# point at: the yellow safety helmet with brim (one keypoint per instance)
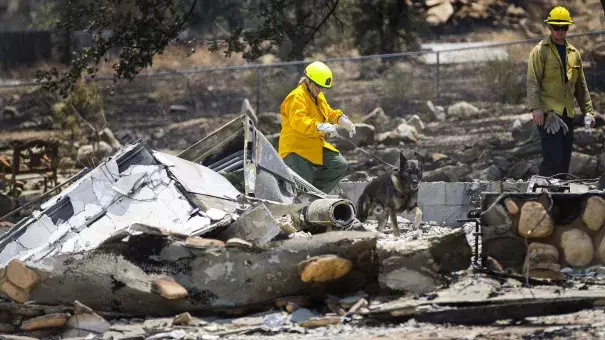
(320, 74)
(559, 16)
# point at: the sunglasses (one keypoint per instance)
(559, 28)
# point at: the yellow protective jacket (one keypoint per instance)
(300, 114)
(546, 87)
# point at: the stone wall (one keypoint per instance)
(539, 233)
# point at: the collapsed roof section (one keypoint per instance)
(232, 175)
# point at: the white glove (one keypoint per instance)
(327, 128)
(554, 123)
(551, 125)
(562, 124)
(347, 124)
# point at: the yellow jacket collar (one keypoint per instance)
(548, 41)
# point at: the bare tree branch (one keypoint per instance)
(324, 20)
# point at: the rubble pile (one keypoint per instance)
(223, 228)
(223, 240)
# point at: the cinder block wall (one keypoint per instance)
(444, 202)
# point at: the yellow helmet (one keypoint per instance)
(559, 16)
(319, 73)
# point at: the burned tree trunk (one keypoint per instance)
(147, 275)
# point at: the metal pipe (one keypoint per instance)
(228, 164)
(330, 212)
(235, 166)
(224, 160)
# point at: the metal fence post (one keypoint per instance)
(438, 89)
(257, 90)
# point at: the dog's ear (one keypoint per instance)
(402, 160)
(416, 155)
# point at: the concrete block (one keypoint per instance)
(444, 214)
(514, 186)
(432, 193)
(457, 194)
(443, 202)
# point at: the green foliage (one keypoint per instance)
(43, 15)
(140, 29)
(293, 23)
(83, 105)
(86, 102)
(143, 28)
(224, 15)
(65, 122)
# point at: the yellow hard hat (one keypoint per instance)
(320, 74)
(559, 16)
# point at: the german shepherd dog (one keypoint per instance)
(391, 194)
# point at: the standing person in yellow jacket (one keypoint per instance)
(555, 77)
(306, 120)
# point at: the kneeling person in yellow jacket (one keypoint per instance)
(306, 119)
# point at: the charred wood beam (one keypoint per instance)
(122, 277)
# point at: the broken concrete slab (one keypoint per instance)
(418, 266)
(182, 319)
(89, 322)
(256, 225)
(118, 277)
(483, 300)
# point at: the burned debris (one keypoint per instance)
(225, 229)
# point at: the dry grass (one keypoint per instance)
(174, 57)
(177, 57)
(503, 78)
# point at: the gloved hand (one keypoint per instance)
(554, 123)
(550, 122)
(345, 122)
(562, 124)
(327, 128)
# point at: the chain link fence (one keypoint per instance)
(401, 83)
(486, 75)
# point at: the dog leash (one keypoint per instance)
(366, 152)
